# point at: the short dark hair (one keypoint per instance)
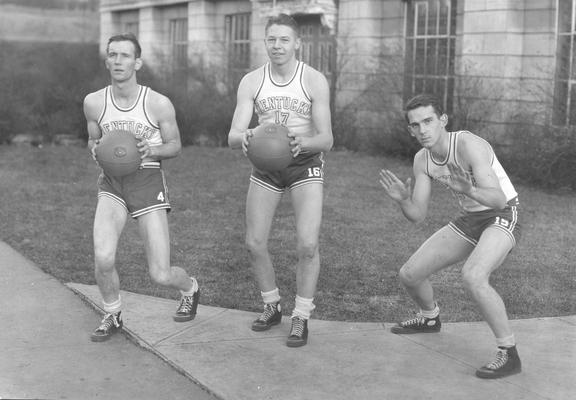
(424, 100)
(283, 19)
(130, 37)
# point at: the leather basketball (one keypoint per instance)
(269, 148)
(117, 153)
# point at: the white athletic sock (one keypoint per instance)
(432, 313)
(114, 307)
(507, 341)
(193, 290)
(303, 307)
(271, 297)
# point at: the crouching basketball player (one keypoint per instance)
(483, 234)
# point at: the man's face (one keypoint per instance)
(121, 60)
(281, 44)
(425, 125)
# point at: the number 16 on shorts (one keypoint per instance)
(315, 172)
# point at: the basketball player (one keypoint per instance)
(288, 92)
(142, 195)
(482, 235)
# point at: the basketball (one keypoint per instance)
(117, 153)
(269, 148)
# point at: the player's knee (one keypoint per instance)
(473, 280)
(307, 250)
(407, 277)
(104, 260)
(255, 247)
(161, 277)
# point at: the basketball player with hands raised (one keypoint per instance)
(150, 116)
(288, 92)
(482, 235)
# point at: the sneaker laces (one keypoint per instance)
(500, 361)
(186, 303)
(297, 327)
(418, 321)
(269, 311)
(107, 323)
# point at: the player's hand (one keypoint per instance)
(394, 187)
(144, 148)
(297, 143)
(246, 140)
(460, 180)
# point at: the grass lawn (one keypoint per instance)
(48, 199)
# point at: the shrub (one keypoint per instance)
(204, 105)
(44, 86)
(544, 156)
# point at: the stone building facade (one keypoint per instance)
(494, 63)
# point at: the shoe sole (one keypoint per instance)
(402, 331)
(102, 338)
(483, 375)
(186, 318)
(99, 339)
(262, 328)
(296, 343)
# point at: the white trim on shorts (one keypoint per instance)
(508, 230)
(306, 182)
(464, 236)
(275, 189)
(156, 207)
(265, 185)
(117, 199)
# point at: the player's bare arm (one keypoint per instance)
(319, 91)
(92, 107)
(239, 134)
(477, 156)
(162, 109)
(412, 202)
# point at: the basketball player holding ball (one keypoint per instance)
(285, 91)
(150, 116)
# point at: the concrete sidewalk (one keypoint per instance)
(46, 352)
(341, 361)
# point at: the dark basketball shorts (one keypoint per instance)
(307, 168)
(139, 193)
(470, 225)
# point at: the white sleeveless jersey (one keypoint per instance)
(438, 170)
(134, 119)
(287, 103)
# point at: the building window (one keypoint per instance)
(131, 27)
(564, 113)
(430, 44)
(179, 43)
(127, 21)
(238, 45)
(318, 48)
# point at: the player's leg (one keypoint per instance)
(490, 252)
(307, 201)
(153, 227)
(261, 204)
(109, 222)
(443, 249)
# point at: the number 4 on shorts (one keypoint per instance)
(160, 196)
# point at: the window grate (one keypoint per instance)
(430, 49)
(564, 110)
